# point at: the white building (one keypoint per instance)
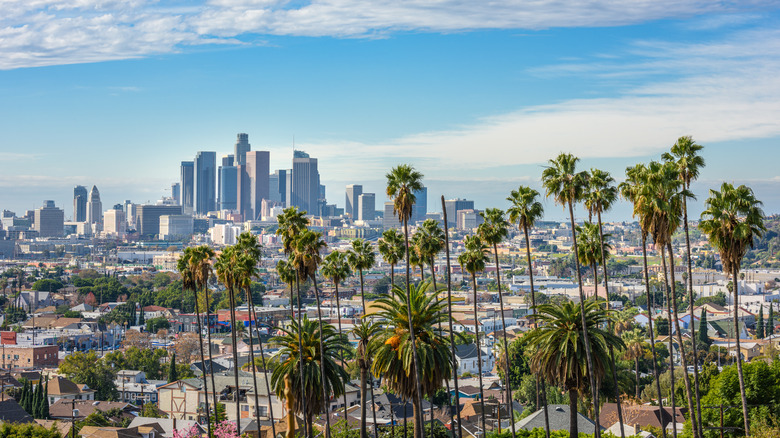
(225, 234)
(114, 222)
(176, 226)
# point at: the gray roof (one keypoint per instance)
(466, 351)
(11, 412)
(166, 424)
(559, 420)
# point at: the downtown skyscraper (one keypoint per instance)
(80, 204)
(305, 183)
(253, 183)
(205, 195)
(187, 186)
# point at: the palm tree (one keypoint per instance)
(493, 231)
(360, 258)
(633, 189)
(364, 332)
(525, 211)
(189, 284)
(635, 342)
(732, 220)
(200, 265)
(227, 274)
(449, 315)
(567, 186)
(320, 351)
(307, 259)
(402, 182)
(391, 247)
(395, 351)
(473, 260)
(685, 155)
(589, 250)
(336, 268)
(558, 345)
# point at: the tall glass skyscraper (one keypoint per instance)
(187, 186)
(242, 147)
(80, 204)
(305, 183)
(228, 187)
(205, 182)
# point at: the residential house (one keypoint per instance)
(640, 416)
(467, 356)
(11, 412)
(166, 425)
(559, 420)
(63, 409)
(61, 388)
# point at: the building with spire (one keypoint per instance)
(94, 207)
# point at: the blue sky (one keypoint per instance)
(476, 95)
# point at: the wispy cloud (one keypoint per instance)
(50, 32)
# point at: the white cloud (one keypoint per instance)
(50, 32)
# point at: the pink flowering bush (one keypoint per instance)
(192, 432)
(226, 429)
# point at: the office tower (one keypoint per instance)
(49, 220)
(205, 195)
(351, 201)
(455, 205)
(420, 207)
(366, 206)
(390, 219)
(94, 207)
(176, 193)
(274, 186)
(187, 186)
(130, 213)
(468, 219)
(228, 187)
(79, 204)
(176, 226)
(242, 147)
(305, 183)
(227, 161)
(253, 183)
(148, 218)
(287, 188)
(114, 222)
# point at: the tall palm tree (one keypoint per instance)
(562, 181)
(449, 315)
(227, 274)
(635, 342)
(336, 268)
(395, 350)
(525, 211)
(319, 347)
(685, 155)
(364, 333)
(189, 284)
(493, 231)
(589, 250)
(473, 260)
(200, 264)
(307, 258)
(633, 190)
(558, 344)
(732, 220)
(666, 195)
(391, 247)
(402, 182)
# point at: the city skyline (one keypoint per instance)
(476, 98)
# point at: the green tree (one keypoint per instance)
(391, 247)
(364, 332)
(770, 321)
(732, 220)
(760, 332)
(589, 249)
(558, 345)
(701, 335)
(28, 430)
(156, 324)
(518, 361)
(635, 342)
(172, 374)
(47, 285)
(88, 369)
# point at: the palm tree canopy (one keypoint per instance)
(562, 181)
(364, 332)
(589, 244)
(732, 219)
(559, 343)
(289, 355)
(200, 264)
(226, 267)
(249, 244)
(685, 156)
(402, 182)
(335, 267)
(306, 255)
(495, 228)
(526, 208)
(429, 240)
(393, 357)
(391, 246)
(633, 190)
(291, 222)
(474, 257)
(286, 272)
(663, 195)
(635, 343)
(183, 266)
(361, 256)
(601, 193)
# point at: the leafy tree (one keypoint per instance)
(156, 324)
(29, 430)
(770, 321)
(88, 369)
(760, 324)
(702, 336)
(172, 373)
(47, 285)
(518, 360)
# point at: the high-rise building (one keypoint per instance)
(453, 206)
(176, 193)
(351, 200)
(228, 187)
(277, 185)
(187, 186)
(366, 206)
(176, 226)
(114, 222)
(305, 183)
(420, 207)
(390, 219)
(242, 147)
(227, 161)
(148, 218)
(49, 220)
(205, 182)
(80, 204)
(468, 219)
(94, 207)
(253, 183)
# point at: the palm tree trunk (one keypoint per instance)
(211, 360)
(506, 344)
(690, 313)
(449, 311)
(370, 380)
(650, 322)
(686, 378)
(341, 355)
(305, 411)
(593, 388)
(595, 280)
(265, 377)
(417, 412)
(533, 305)
(252, 355)
(419, 430)
(446, 381)
(202, 365)
(636, 371)
(234, 338)
(611, 350)
(363, 384)
(479, 355)
(739, 352)
(323, 378)
(573, 429)
(671, 345)
(392, 280)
